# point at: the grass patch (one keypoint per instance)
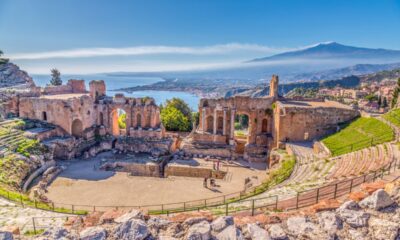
(26, 201)
(359, 134)
(31, 233)
(393, 116)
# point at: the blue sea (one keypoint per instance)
(115, 82)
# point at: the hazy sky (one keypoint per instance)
(97, 36)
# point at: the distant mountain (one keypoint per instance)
(359, 69)
(333, 50)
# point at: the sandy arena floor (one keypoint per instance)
(82, 184)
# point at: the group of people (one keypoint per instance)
(212, 182)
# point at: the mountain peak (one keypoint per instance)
(334, 50)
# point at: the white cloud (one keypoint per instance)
(148, 50)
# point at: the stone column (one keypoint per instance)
(203, 120)
(224, 123)
(215, 122)
(232, 133)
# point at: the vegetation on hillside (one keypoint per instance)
(55, 77)
(303, 92)
(359, 134)
(3, 60)
(176, 115)
(393, 116)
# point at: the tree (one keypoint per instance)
(122, 121)
(384, 103)
(3, 60)
(174, 120)
(55, 77)
(184, 122)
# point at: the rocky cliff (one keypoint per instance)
(11, 75)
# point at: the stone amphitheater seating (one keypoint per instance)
(312, 171)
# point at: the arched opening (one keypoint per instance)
(101, 118)
(139, 120)
(210, 124)
(148, 120)
(241, 132)
(220, 125)
(76, 128)
(264, 126)
(118, 117)
(44, 116)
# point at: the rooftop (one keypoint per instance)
(64, 96)
(313, 104)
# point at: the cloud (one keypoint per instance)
(148, 50)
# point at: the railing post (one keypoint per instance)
(162, 208)
(184, 206)
(335, 193)
(205, 202)
(351, 185)
(276, 202)
(297, 201)
(224, 199)
(72, 208)
(35, 203)
(94, 208)
(226, 209)
(365, 178)
(34, 225)
(52, 204)
(252, 207)
(317, 195)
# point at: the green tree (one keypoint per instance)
(2, 60)
(174, 120)
(379, 100)
(55, 77)
(122, 121)
(184, 109)
(384, 103)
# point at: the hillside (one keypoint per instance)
(359, 69)
(11, 75)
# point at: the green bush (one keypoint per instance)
(174, 120)
(176, 115)
(122, 121)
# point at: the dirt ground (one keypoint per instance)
(81, 183)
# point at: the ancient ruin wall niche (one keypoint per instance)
(77, 86)
(97, 88)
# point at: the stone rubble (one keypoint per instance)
(375, 217)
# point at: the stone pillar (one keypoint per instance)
(224, 123)
(203, 119)
(215, 122)
(232, 133)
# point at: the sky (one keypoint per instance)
(87, 36)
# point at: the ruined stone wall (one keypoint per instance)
(301, 123)
(72, 86)
(187, 171)
(61, 112)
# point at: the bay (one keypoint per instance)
(115, 82)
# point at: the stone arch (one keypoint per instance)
(264, 125)
(210, 124)
(138, 120)
(220, 125)
(101, 118)
(115, 126)
(76, 128)
(148, 120)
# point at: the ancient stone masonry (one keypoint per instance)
(272, 120)
(78, 112)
